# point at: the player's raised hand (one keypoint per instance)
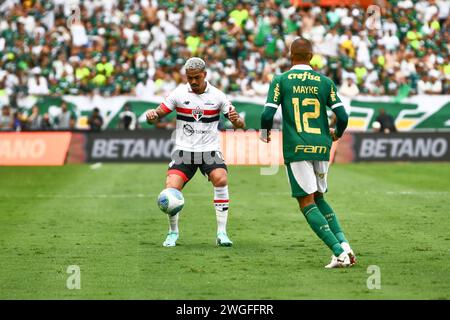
(264, 136)
(151, 115)
(233, 116)
(236, 120)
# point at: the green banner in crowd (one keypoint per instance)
(418, 112)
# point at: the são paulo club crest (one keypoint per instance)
(197, 113)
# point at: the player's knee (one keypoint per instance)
(174, 181)
(318, 196)
(218, 177)
(306, 201)
(220, 181)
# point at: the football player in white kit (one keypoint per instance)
(198, 105)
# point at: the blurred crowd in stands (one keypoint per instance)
(138, 47)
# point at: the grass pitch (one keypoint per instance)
(106, 222)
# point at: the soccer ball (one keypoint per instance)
(170, 201)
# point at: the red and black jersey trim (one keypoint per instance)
(206, 112)
(202, 119)
(165, 108)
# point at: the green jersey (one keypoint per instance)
(304, 96)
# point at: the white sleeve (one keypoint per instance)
(170, 102)
(225, 104)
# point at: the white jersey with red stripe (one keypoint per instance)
(197, 117)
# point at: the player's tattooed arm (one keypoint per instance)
(155, 114)
(236, 120)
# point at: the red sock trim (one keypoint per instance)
(221, 201)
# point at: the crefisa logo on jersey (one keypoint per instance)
(197, 113)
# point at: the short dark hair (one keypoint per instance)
(301, 49)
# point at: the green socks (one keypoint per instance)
(333, 222)
(320, 226)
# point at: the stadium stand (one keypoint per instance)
(137, 48)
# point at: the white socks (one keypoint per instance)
(221, 205)
(346, 247)
(173, 223)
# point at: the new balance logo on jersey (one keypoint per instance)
(310, 149)
(197, 113)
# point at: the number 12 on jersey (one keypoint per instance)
(304, 119)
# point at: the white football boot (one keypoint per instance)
(223, 240)
(350, 253)
(171, 239)
(342, 261)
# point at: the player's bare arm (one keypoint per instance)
(155, 114)
(267, 123)
(341, 123)
(236, 120)
(270, 108)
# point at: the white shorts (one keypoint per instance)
(307, 177)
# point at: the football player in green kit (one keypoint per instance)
(304, 96)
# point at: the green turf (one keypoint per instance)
(106, 221)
